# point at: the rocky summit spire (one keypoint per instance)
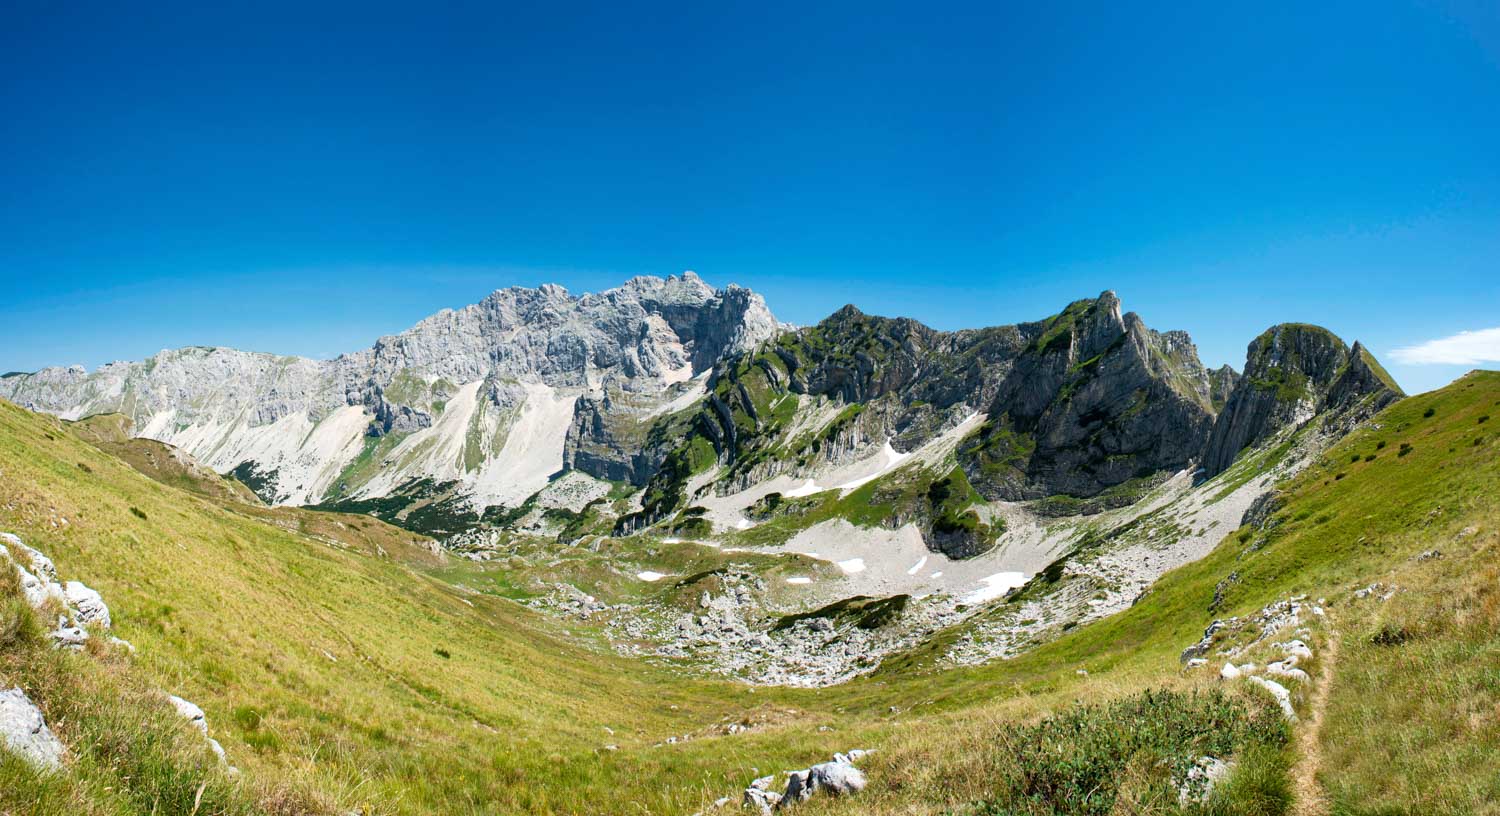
(1294, 372)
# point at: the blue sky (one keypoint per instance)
(302, 180)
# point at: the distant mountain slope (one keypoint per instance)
(1089, 404)
(482, 396)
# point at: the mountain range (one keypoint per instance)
(646, 384)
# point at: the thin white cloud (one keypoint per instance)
(1464, 348)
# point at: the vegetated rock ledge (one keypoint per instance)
(82, 614)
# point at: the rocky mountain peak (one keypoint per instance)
(441, 397)
(1293, 372)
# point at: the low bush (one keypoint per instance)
(1093, 758)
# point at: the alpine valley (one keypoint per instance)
(646, 550)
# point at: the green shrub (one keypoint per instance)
(1076, 762)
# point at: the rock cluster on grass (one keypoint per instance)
(78, 607)
(837, 778)
(22, 728)
(1270, 621)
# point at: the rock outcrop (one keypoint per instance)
(24, 732)
(1294, 372)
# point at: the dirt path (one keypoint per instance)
(1309, 799)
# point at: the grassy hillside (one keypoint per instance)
(359, 679)
(337, 679)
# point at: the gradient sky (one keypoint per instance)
(302, 180)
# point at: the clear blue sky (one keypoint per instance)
(302, 180)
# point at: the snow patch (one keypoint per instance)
(806, 489)
(917, 567)
(799, 579)
(995, 586)
(648, 575)
(852, 565)
(893, 459)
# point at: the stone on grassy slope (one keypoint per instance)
(88, 605)
(1283, 697)
(1206, 773)
(38, 575)
(190, 712)
(23, 731)
(68, 635)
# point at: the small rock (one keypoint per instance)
(1197, 662)
(1206, 772)
(1297, 649)
(1229, 672)
(67, 636)
(1283, 697)
(89, 605)
(193, 714)
(764, 801)
(25, 732)
(797, 788)
(837, 778)
(1286, 669)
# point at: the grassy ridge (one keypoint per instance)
(322, 664)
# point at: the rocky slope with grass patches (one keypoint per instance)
(1294, 372)
(1087, 410)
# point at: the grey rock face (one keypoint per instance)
(1294, 372)
(282, 415)
(23, 731)
(1099, 399)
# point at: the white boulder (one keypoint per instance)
(68, 636)
(87, 604)
(192, 713)
(23, 731)
(1296, 649)
(836, 778)
(1285, 668)
(1283, 697)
